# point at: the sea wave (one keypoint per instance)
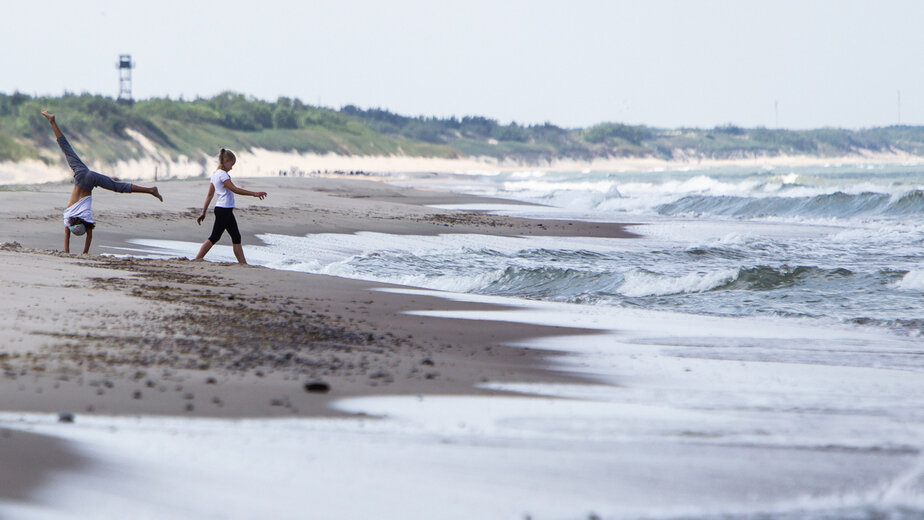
(763, 278)
(553, 283)
(641, 282)
(754, 195)
(831, 205)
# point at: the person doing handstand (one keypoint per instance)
(78, 216)
(222, 186)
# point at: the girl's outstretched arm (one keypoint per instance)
(240, 191)
(205, 207)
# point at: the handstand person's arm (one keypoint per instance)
(67, 240)
(86, 245)
(205, 207)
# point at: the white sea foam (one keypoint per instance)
(544, 186)
(737, 238)
(912, 281)
(639, 282)
(527, 175)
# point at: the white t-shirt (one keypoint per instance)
(225, 196)
(83, 209)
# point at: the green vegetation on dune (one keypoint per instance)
(12, 150)
(102, 127)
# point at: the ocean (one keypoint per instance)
(840, 244)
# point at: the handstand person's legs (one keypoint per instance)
(54, 126)
(87, 179)
(150, 191)
(72, 159)
(107, 183)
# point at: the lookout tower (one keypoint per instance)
(125, 67)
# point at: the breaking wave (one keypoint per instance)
(831, 205)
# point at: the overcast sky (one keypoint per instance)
(570, 62)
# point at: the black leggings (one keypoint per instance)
(224, 219)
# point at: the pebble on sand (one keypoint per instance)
(317, 387)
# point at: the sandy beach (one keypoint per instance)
(104, 335)
(133, 381)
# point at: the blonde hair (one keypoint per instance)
(226, 155)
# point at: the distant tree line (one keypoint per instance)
(288, 123)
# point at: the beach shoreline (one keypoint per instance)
(105, 335)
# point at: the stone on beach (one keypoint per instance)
(318, 387)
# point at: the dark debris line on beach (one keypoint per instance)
(197, 324)
(221, 331)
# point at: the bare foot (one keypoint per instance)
(49, 116)
(156, 193)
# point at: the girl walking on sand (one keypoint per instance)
(78, 216)
(224, 207)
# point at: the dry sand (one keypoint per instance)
(103, 335)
